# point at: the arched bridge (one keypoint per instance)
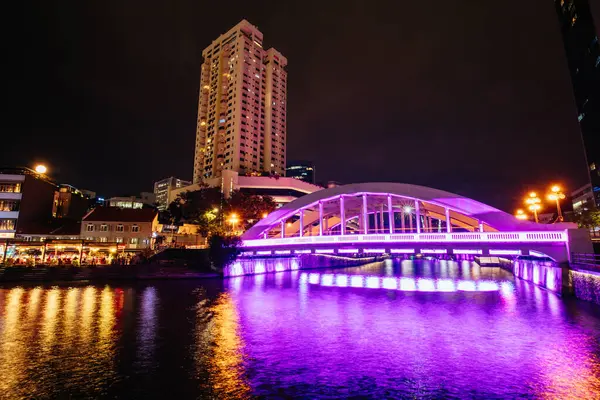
(401, 218)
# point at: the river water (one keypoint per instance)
(411, 329)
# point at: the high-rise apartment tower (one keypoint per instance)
(583, 56)
(242, 106)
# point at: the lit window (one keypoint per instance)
(119, 240)
(103, 228)
(134, 241)
(120, 228)
(135, 228)
(592, 166)
(90, 227)
(103, 239)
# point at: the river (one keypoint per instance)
(403, 329)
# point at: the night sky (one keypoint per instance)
(472, 97)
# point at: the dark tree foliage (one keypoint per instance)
(209, 210)
(223, 250)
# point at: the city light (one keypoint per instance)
(407, 209)
(41, 169)
(557, 195)
(233, 220)
(521, 214)
(533, 202)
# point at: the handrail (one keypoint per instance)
(463, 237)
(585, 259)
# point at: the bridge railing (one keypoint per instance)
(462, 237)
(586, 261)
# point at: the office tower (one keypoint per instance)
(163, 188)
(583, 56)
(303, 170)
(242, 106)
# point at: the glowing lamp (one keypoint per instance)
(41, 169)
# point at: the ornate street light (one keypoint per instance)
(557, 195)
(233, 219)
(521, 214)
(533, 203)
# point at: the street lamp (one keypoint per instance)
(521, 214)
(557, 195)
(233, 219)
(533, 202)
(41, 169)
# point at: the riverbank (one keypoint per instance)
(102, 273)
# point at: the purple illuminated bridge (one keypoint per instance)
(396, 218)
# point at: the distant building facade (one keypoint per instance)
(242, 106)
(282, 189)
(583, 56)
(145, 199)
(163, 189)
(70, 203)
(128, 227)
(303, 170)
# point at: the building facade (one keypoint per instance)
(281, 189)
(303, 170)
(163, 189)
(131, 228)
(583, 56)
(242, 106)
(26, 201)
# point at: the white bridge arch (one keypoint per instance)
(384, 215)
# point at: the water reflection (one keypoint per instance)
(407, 329)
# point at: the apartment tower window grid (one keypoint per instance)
(242, 106)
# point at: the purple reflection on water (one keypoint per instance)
(431, 334)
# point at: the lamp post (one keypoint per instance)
(521, 214)
(533, 202)
(557, 195)
(233, 220)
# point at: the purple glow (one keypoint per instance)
(282, 251)
(294, 265)
(279, 267)
(402, 251)
(434, 251)
(372, 282)
(458, 237)
(247, 253)
(313, 278)
(505, 252)
(446, 285)
(389, 283)
(327, 280)
(461, 251)
(487, 286)
(408, 284)
(425, 285)
(302, 251)
(356, 281)
(378, 251)
(341, 280)
(324, 251)
(466, 286)
(348, 251)
(263, 252)
(259, 268)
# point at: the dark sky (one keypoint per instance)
(468, 96)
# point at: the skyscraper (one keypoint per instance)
(583, 56)
(242, 106)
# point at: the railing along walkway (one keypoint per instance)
(586, 261)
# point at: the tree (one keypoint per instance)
(209, 210)
(249, 207)
(588, 219)
(223, 250)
